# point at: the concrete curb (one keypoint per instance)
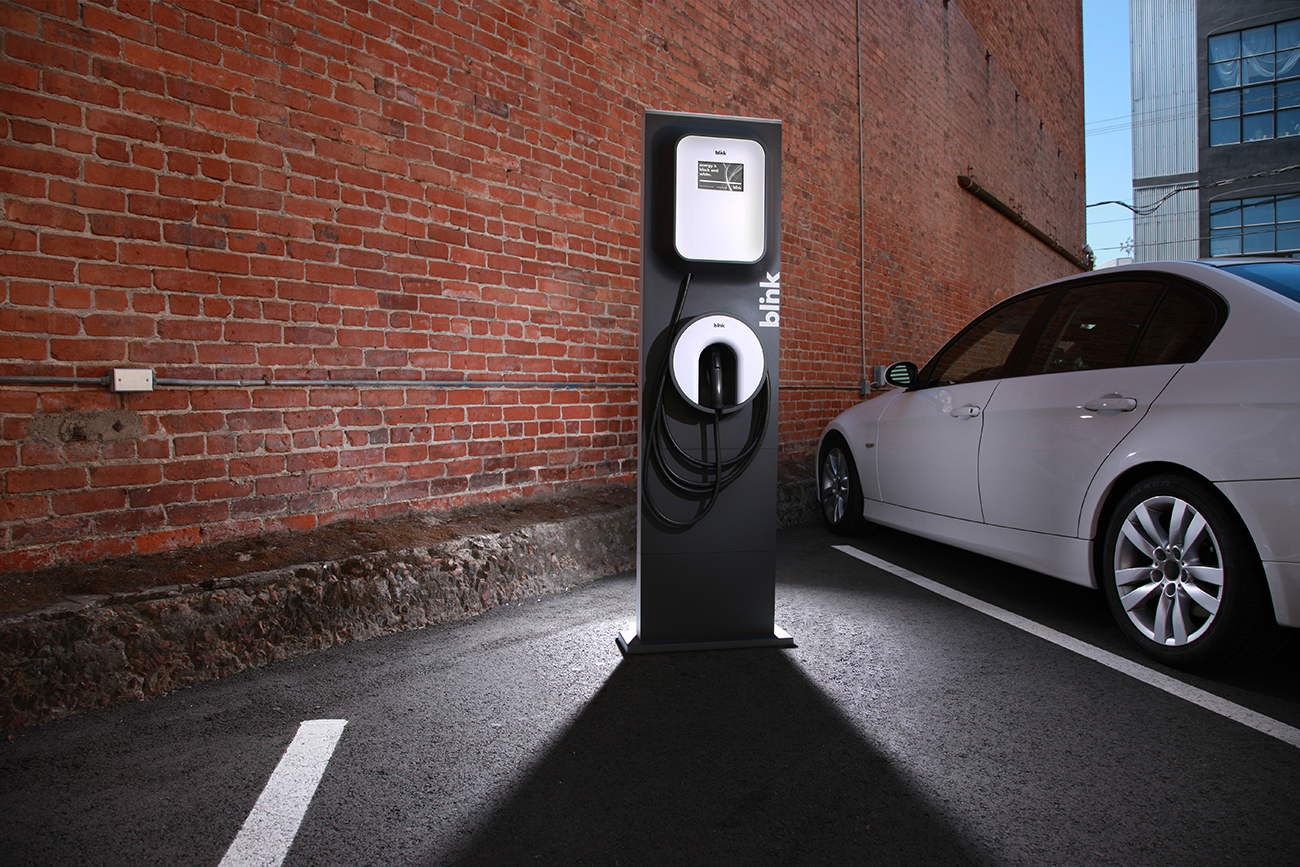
(95, 651)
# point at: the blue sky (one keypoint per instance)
(1107, 110)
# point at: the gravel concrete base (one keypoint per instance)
(94, 651)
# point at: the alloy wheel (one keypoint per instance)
(1168, 571)
(835, 484)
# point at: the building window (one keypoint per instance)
(1255, 84)
(1251, 227)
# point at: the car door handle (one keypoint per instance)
(1112, 403)
(965, 412)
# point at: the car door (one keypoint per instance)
(1103, 356)
(927, 449)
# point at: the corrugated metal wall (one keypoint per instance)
(1171, 232)
(1163, 34)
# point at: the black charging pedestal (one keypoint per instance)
(710, 342)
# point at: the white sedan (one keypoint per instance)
(1135, 429)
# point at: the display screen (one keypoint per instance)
(722, 176)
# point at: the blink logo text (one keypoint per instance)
(769, 303)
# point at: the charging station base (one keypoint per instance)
(631, 644)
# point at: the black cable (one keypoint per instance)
(737, 463)
(659, 437)
(1148, 210)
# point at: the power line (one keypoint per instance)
(1106, 126)
(1148, 210)
(1110, 222)
(1145, 210)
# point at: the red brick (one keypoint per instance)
(124, 125)
(115, 275)
(130, 77)
(80, 90)
(45, 54)
(103, 20)
(83, 197)
(16, 509)
(191, 140)
(26, 104)
(124, 476)
(198, 514)
(295, 194)
(41, 214)
(21, 240)
(88, 502)
(194, 470)
(117, 226)
(166, 540)
(36, 161)
(100, 174)
(86, 249)
(119, 326)
(194, 236)
(38, 322)
(188, 91)
(22, 481)
(31, 133)
(113, 150)
(210, 260)
(51, 531)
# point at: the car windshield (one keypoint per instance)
(1281, 277)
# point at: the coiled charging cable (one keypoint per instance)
(715, 474)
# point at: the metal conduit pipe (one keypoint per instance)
(170, 382)
(971, 186)
(383, 383)
(814, 386)
(54, 380)
(310, 383)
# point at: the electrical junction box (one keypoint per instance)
(124, 379)
(720, 212)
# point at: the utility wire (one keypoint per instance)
(1145, 210)
(1148, 210)
(1106, 126)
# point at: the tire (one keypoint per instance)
(839, 489)
(1182, 576)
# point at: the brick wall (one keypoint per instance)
(396, 194)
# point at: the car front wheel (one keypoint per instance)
(1182, 576)
(839, 489)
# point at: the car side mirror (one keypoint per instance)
(901, 374)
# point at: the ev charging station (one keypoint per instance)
(709, 384)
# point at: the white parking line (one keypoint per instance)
(268, 832)
(1207, 700)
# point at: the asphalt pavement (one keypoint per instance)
(905, 728)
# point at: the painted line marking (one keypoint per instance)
(1173, 686)
(268, 832)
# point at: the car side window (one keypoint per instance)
(981, 351)
(1094, 327)
(1183, 325)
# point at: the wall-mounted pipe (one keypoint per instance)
(970, 185)
(104, 381)
(814, 386)
(170, 382)
(383, 383)
(54, 380)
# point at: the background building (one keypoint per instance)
(1216, 128)
(382, 255)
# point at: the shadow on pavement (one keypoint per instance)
(731, 757)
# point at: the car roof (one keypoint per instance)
(1253, 329)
